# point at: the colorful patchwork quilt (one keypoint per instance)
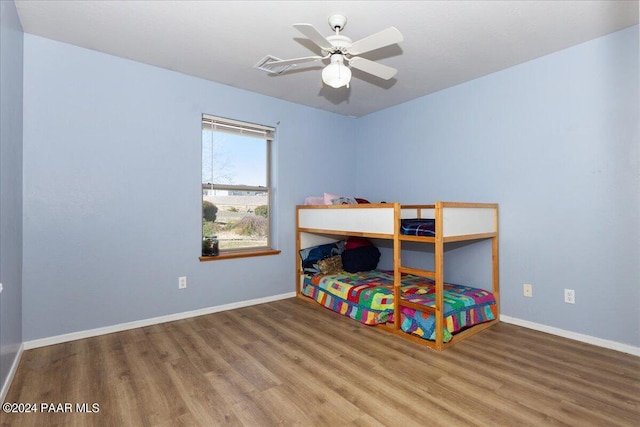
(368, 298)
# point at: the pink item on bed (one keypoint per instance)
(328, 198)
(314, 200)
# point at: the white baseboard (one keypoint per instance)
(613, 345)
(12, 373)
(43, 342)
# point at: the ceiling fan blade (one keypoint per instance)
(376, 41)
(383, 71)
(294, 61)
(314, 35)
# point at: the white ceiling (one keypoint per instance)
(445, 42)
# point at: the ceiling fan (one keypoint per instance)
(340, 49)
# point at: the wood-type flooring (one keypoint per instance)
(292, 362)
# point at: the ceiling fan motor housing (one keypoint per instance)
(340, 44)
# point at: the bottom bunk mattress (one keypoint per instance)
(368, 298)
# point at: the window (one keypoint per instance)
(236, 189)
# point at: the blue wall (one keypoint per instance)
(11, 54)
(112, 199)
(555, 142)
(112, 172)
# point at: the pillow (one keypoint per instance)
(334, 199)
(314, 200)
(328, 197)
(331, 265)
(311, 256)
(364, 258)
(357, 242)
(361, 201)
(344, 201)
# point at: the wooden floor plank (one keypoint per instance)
(591, 391)
(201, 399)
(296, 363)
(152, 384)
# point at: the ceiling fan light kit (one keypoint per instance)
(339, 49)
(336, 74)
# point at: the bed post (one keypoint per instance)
(298, 261)
(397, 291)
(439, 273)
(496, 266)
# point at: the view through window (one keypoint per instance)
(236, 192)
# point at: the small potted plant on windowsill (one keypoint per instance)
(210, 246)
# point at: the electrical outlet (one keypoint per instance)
(527, 290)
(182, 282)
(569, 296)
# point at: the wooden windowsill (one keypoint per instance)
(244, 254)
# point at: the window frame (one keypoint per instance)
(267, 133)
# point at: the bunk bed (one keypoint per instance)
(413, 303)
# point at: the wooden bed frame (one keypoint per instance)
(454, 222)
